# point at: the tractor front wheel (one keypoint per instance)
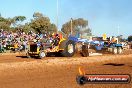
(42, 54)
(28, 55)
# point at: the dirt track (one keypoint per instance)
(58, 72)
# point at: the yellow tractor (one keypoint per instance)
(65, 47)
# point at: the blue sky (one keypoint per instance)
(104, 16)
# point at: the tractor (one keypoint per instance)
(102, 46)
(65, 47)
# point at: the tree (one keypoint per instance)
(26, 27)
(39, 23)
(52, 29)
(5, 23)
(78, 26)
(88, 31)
(130, 38)
(42, 24)
(17, 20)
(37, 15)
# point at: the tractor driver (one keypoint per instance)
(56, 40)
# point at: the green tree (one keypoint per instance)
(26, 27)
(130, 38)
(17, 20)
(42, 24)
(10, 24)
(52, 29)
(37, 15)
(88, 31)
(5, 23)
(78, 26)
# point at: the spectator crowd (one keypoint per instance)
(20, 39)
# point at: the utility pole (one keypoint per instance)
(71, 26)
(57, 7)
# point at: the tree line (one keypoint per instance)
(42, 24)
(39, 23)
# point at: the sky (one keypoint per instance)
(113, 17)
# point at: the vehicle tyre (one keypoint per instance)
(69, 49)
(119, 50)
(115, 50)
(28, 55)
(42, 54)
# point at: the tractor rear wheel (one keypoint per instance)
(69, 49)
